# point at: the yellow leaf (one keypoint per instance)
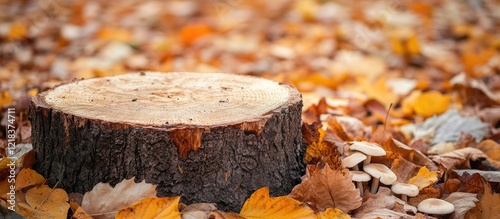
(431, 103)
(261, 206)
(333, 213)
(150, 208)
(44, 202)
(408, 103)
(424, 178)
(27, 178)
(306, 8)
(17, 31)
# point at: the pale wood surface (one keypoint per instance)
(170, 98)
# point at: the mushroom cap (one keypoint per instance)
(435, 206)
(360, 176)
(405, 188)
(353, 159)
(382, 172)
(368, 148)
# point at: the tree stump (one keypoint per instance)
(209, 137)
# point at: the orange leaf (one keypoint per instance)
(327, 188)
(115, 34)
(151, 208)
(17, 31)
(27, 178)
(191, 33)
(5, 98)
(261, 206)
(424, 178)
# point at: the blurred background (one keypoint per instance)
(362, 49)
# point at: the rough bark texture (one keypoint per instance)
(231, 162)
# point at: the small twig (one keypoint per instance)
(387, 115)
(45, 199)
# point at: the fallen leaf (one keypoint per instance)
(318, 149)
(190, 33)
(425, 193)
(463, 202)
(333, 213)
(224, 215)
(198, 211)
(424, 178)
(448, 127)
(17, 31)
(96, 202)
(383, 204)
(453, 129)
(490, 148)
(458, 157)
(115, 34)
(488, 207)
(407, 152)
(27, 178)
(261, 206)
(431, 103)
(44, 202)
(81, 214)
(152, 208)
(490, 176)
(327, 188)
(468, 183)
(404, 169)
(353, 127)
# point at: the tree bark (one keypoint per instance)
(208, 137)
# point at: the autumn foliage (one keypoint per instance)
(421, 80)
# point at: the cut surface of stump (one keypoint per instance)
(209, 137)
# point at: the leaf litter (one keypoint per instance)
(421, 79)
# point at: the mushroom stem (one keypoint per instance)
(374, 188)
(355, 167)
(360, 188)
(404, 197)
(367, 160)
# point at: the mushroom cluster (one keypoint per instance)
(363, 152)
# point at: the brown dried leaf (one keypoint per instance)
(384, 204)
(458, 157)
(488, 207)
(327, 188)
(463, 202)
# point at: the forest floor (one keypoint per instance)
(419, 79)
